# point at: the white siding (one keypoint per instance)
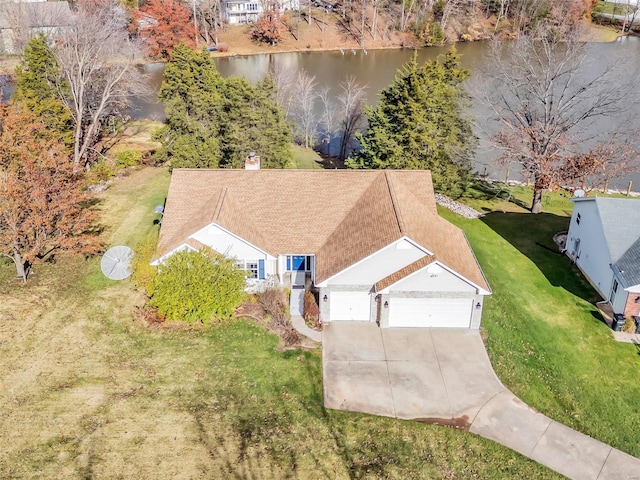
(223, 242)
(592, 255)
(430, 312)
(423, 281)
(384, 262)
(350, 306)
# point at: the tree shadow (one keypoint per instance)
(533, 235)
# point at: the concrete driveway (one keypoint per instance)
(444, 376)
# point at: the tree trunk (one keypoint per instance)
(20, 271)
(536, 205)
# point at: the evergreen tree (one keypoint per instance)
(37, 88)
(192, 100)
(215, 122)
(420, 123)
(253, 122)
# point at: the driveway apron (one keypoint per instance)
(444, 376)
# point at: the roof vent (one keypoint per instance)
(252, 162)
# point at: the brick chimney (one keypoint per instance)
(252, 162)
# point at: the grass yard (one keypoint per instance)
(305, 158)
(89, 392)
(614, 8)
(544, 335)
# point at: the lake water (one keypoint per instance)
(377, 68)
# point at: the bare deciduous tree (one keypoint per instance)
(546, 101)
(97, 62)
(328, 117)
(351, 104)
(303, 106)
(284, 78)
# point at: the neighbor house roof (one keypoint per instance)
(341, 216)
(620, 219)
(629, 265)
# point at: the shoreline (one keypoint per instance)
(238, 36)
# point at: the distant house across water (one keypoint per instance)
(21, 21)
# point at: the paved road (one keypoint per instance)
(444, 376)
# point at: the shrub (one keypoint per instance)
(129, 158)
(629, 325)
(311, 310)
(102, 170)
(276, 306)
(198, 286)
(143, 273)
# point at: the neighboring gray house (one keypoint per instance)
(21, 21)
(604, 242)
(371, 243)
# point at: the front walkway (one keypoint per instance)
(444, 376)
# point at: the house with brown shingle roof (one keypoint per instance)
(371, 243)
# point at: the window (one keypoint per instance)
(578, 219)
(252, 7)
(252, 269)
(615, 286)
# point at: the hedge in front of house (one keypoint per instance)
(198, 287)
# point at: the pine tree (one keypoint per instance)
(191, 96)
(37, 83)
(215, 122)
(420, 123)
(254, 123)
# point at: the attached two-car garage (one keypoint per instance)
(404, 311)
(430, 312)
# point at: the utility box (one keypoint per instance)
(618, 322)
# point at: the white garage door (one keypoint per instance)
(430, 312)
(350, 306)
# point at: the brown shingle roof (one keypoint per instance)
(340, 215)
(404, 272)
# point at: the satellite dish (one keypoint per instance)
(579, 193)
(116, 262)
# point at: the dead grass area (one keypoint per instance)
(325, 32)
(601, 33)
(137, 135)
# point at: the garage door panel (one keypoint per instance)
(350, 306)
(430, 312)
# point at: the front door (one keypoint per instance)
(298, 263)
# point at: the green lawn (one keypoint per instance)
(89, 392)
(612, 7)
(305, 158)
(544, 335)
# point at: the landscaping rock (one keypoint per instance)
(457, 207)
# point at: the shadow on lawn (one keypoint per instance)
(533, 235)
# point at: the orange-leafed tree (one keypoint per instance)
(43, 202)
(268, 27)
(163, 24)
